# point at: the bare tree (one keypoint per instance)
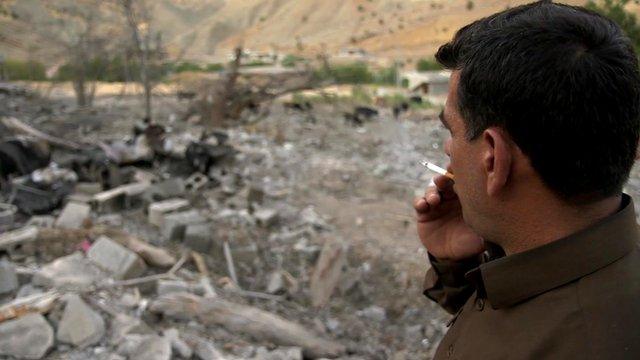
(147, 45)
(77, 31)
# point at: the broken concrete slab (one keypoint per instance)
(199, 237)
(8, 278)
(175, 224)
(27, 337)
(158, 210)
(116, 259)
(80, 325)
(73, 216)
(71, 271)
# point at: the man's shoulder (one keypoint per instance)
(609, 306)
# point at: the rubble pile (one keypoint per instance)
(162, 243)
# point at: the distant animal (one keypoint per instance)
(400, 108)
(185, 95)
(360, 115)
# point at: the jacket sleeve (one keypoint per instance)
(446, 284)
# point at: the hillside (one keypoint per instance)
(207, 30)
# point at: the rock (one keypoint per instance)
(72, 271)
(174, 225)
(80, 325)
(158, 210)
(28, 337)
(73, 216)
(198, 237)
(266, 217)
(115, 258)
(204, 349)
(8, 278)
(375, 313)
(283, 353)
(177, 344)
(152, 347)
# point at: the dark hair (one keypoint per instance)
(563, 81)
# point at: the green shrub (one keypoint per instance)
(428, 65)
(386, 76)
(186, 66)
(24, 70)
(290, 61)
(615, 10)
(214, 67)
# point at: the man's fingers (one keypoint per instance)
(421, 205)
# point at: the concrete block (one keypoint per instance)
(196, 182)
(198, 237)
(27, 337)
(158, 210)
(116, 259)
(80, 325)
(174, 225)
(167, 189)
(120, 197)
(73, 216)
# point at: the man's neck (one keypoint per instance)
(534, 228)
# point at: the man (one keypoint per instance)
(534, 247)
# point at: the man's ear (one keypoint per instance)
(496, 159)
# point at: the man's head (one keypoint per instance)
(544, 94)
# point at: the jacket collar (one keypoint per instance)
(511, 279)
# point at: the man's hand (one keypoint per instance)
(440, 225)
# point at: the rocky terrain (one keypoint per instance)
(291, 237)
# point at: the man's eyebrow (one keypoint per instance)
(443, 120)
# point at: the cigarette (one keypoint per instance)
(437, 169)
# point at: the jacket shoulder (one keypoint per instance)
(610, 306)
